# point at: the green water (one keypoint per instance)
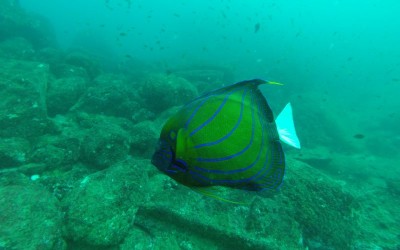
(86, 86)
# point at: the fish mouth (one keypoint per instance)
(162, 157)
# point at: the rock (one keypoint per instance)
(112, 95)
(56, 152)
(83, 60)
(324, 123)
(323, 208)
(50, 56)
(100, 211)
(69, 64)
(160, 92)
(97, 46)
(28, 170)
(310, 209)
(59, 182)
(10, 177)
(15, 22)
(144, 137)
(17, 48)
(204, 223)
(13, 152)
(63, 94)
(23, 111)
(105, 144)
(318, 157)
(59, 150)
(138, 239)
(200, 222)
(207, 79)
(63, 70)
(30, 219)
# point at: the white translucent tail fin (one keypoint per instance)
(286, 130)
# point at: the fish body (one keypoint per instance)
(227, 137)
(256, 27)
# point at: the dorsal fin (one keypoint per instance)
(259, 98)
(253, 84)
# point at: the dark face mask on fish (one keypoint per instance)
(164, 159)
(163, 156)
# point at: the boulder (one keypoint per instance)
(23, 111)
(101, 209)
(207, 79)
(310, 210)
(104, 143)
(83, 60)
(17, 48)
(13, 152)
(64, 70)
(63, 93)
(56, 152)
(30, 219)
(113, 95)
(15, 22)
(322, 206)
(159, 92)
(144, 137)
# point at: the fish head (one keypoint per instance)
(164, 158)
(171, 155)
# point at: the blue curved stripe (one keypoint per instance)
(264, 170)
(178, 168)
(272, 180)
(281, 154)
(283, 174)
(276, 177)
(182, 162)
(195, 110)
(238, 153)
(207, 144)
(213, 116)
(216, 171)
(203, 179)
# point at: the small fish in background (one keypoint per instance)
(256, 27)
(228, 137)
(359, 136)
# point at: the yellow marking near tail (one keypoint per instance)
(275, 83)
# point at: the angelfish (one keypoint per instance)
(227, 137)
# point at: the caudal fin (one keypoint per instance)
(285, 125)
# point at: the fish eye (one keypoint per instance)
(172, 135)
